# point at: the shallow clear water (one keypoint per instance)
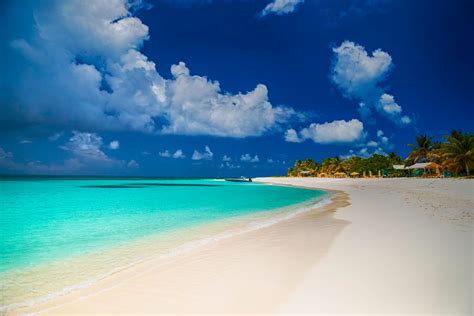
(43, 220)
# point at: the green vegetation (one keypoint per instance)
(455, 156)
(422, 148)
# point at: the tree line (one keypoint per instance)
(454, 155)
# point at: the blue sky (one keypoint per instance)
(219, 88)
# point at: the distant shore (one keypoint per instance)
(381, 246)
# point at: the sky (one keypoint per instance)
(214, 88)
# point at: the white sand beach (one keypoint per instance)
(382, 246)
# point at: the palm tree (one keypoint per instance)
(420, 151)
(298, 165)
(458, 151)
(394, 158)
(326, 165)
(291, 172)
(332, 165)
(310, 165)
(337, 165)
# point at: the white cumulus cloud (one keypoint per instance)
(359, 74)
(291, 136)
(86, 145)
(405, 119)
(280, 7)
(55, 136)
(206, 155)
(114, 145)
(356, 72)
(133, 164)
(165, 154)
(100, 79)
(364, 152)
(381, 136)
(372, 144)
(229, 165)
(388, 104)
(379, 146)
(339, 131)
(248, 158)
(5, 154)
(391, 109)
(197, 106)
(178, 154)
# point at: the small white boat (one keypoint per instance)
(241, 179)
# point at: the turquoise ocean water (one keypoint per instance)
(46, 220)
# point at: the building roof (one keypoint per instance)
(424, 165)
(398, 167)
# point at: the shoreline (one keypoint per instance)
(399, 246)
(184, 240)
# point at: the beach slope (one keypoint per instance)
(381, 245)
(408, 249)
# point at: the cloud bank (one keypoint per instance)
(86, 156)
(79, 64)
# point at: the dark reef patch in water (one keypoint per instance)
(144, 185)
(175, 185)
(111, 186)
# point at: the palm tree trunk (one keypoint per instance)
(466, 163)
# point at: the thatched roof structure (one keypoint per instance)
(399, 167)
(425, 165)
